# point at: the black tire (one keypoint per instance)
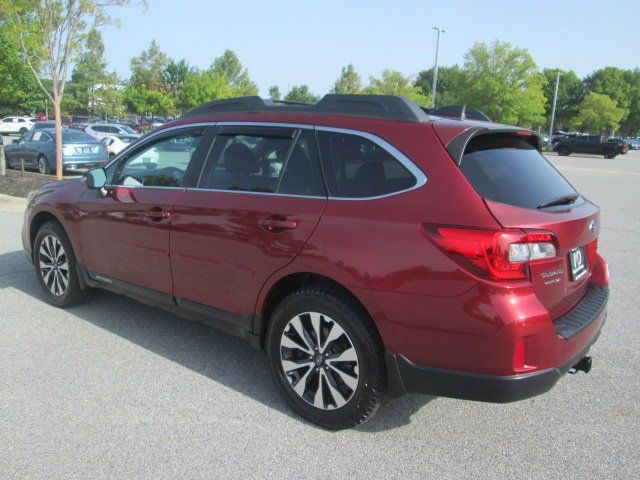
(72, 294)
(361, 334)
(563, 151)
(43, 165)
(609, 153)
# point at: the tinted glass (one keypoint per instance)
(508, 169)
(302, 174)
(356, 167)
(163, 164)
(76, 136)
(246, 162)
(128, 129)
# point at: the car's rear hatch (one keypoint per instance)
(524, 191)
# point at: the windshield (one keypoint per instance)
(76, 136)
(508, 169)
(128, 129)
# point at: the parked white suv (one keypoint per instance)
(19, 125)
(102, 130)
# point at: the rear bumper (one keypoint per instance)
(407, 377)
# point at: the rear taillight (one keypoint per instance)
(493, 254)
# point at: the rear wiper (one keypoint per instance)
(564, 200)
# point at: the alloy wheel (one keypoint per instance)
(42, 166)
(319, 360)
(54, 265)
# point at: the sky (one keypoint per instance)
(288, 43)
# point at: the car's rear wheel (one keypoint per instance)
(563, 151)
(609, 153)
(56, 266)
(327, 358)
(43, 165)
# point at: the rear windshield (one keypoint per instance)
(509, 169)
(76, 136)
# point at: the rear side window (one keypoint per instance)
(508, 169)
(265, 163)
(356, 167)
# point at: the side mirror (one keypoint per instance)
(96, 178)
(16, 140)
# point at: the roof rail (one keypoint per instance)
(389, 107)
(461, 112)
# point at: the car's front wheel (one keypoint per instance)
(56, 266)
(43, 165)
(563, 151)
(327, 358)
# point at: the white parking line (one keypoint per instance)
(598, 170)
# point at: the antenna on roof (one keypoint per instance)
(463, 113)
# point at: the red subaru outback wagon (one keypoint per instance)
(368, 246)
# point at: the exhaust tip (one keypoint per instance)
(583, 365)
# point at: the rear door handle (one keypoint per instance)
(157, 214)
(277, 223)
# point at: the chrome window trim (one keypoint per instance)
(154, 135)
(418, 174)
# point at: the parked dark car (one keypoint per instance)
(590, 144)
(369, 248)
(38, 151)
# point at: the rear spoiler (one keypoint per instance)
(457, 146)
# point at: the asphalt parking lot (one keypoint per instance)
(116, 389)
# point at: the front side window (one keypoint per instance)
(356, 167)
(162, 164)
(265, 163)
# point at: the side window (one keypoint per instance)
(262, 162)
(37, 137)
(356, 167)
(302, 175)
(162, 164)
(7, 120)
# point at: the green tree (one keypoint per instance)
(392, 82)
(348, 82)
(92, 88)
(504, 82)
(450, 88)
(148, 68)
(51, 33)
(274, 92)
(631, 124)
(599, 113)
(174, 76)
(571, 92)
(147, 102)
(611, 81)
(19, 90)
(229, 67)
(300, 93)
(201, 87)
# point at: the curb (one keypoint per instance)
(12, 204)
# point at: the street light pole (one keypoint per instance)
(553, 110)
(435, 67)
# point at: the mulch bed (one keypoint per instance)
(18, 186)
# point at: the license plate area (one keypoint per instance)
(578, 263)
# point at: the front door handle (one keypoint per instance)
(157, 214)
(277, 223)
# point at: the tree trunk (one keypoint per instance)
(58, 118)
